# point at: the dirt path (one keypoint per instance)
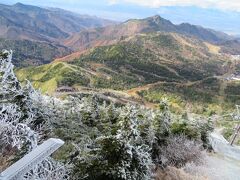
(134, 93)
(70, 66)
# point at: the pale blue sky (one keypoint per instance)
(221, 15)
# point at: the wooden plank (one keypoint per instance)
(21, 167)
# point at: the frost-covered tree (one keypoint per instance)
(24, 119)
(48, 169)
(119, 142)
(10, 87)
(161, 126)
(136, 136)
(15, 130)
(111, 142)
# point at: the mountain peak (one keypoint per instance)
(25, 7)
(153, 19)
(156, 17)
(158, 20)
(19, 4)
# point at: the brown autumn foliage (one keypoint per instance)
(172, 173)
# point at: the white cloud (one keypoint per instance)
(220, 4)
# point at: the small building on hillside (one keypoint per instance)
(65, 89)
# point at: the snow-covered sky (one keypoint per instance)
(221, 15)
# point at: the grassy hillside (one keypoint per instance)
(48, 77)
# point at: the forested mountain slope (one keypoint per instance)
(138, 60)
(33, 53)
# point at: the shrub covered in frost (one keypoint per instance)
(179, 150)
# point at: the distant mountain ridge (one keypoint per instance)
(21, 21)
(110, 34)
(62, 33)
(35, 33)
